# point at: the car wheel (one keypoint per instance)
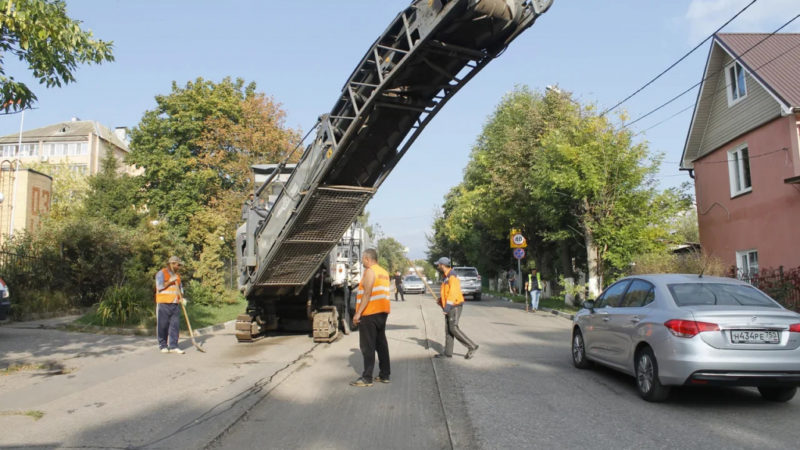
(650, 387)
(777, 394)
(579, 351)
(477, 297)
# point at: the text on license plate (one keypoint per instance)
(755, 337)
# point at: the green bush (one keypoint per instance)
(125, 304)
(26, 302)
(693, 262)
(201, 294)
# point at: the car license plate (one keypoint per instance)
(755, 337)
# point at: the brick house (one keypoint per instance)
(742, 151)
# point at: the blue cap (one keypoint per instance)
(443, 260)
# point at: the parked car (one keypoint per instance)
(5, 300)
(413, 284)
(671, 330)
(470, 282)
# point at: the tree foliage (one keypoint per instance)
(392, 255)
(197, 145)
(582, 192)
(40, 33)
(113, 195)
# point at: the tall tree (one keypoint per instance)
(113, 195)
(582, 192)
(196, 147)
(392, 255)
(40, 33)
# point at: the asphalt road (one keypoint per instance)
(520, 391)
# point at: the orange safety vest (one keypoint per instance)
(451, 290)
(172, 293)
(379, 298)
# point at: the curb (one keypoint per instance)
(134, 331)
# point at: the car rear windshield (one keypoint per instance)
(413, 278)
(687, 294)
(466, 272)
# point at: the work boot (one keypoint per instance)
(361, 382)
(471, 352)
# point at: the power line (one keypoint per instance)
(715, 73)
(678, 61)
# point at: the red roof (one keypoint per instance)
(775, 60)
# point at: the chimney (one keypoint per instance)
(122, 134)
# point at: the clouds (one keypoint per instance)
(705, 16)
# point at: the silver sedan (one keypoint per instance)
(670, 329)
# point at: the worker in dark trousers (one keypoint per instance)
(169, 295)
(372, 310)
(452, 301)
(398, 286)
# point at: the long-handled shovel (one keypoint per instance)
(189, 325)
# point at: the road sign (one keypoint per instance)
(517, 239)
(519, 253)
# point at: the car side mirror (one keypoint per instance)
(589, 304)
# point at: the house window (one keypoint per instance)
(747, 264)
(79, 169)
(9, 151)
(66, 149)
(735, 83)
(29, 150)
(739, 170)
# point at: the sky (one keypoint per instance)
(301, 54)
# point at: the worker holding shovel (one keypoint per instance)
(169, 298)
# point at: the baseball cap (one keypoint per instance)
(443, 260)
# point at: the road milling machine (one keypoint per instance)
(301, 215)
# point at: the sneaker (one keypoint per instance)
(381, 379)
(164, 350)
(176, 350)
(442, 355)
(361, 382)
(471, 352)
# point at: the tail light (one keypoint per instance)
(689, 328)
(795, 327)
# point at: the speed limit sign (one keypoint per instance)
(518, 240)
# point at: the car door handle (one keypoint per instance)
(635, 319)
(606, 318)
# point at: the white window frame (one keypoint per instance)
(736, 170)
(733, 85)
(746, 264)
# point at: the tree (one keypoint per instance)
(197, 145)
(392, 255)
(582, 192)
(40, 33)
(113, 195)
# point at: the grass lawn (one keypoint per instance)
(556, 303)
(200, 315)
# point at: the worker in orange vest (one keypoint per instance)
(169, 295)
(451, 301)
(372, 310)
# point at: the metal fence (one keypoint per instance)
(782, 285)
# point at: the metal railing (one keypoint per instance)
(780, 284)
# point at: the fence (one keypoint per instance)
(782, 285)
